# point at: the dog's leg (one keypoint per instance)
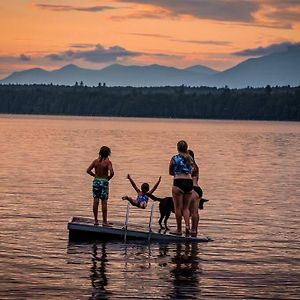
(166, 219)
(160, 221)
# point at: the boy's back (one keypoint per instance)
(101, 167)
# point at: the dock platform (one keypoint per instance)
(84, 228)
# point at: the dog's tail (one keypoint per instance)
(154, 198)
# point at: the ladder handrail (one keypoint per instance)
(126, 222)
(150, 222)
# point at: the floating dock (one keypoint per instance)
(84, 228)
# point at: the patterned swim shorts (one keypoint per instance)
(100, 188)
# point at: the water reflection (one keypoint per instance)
(168, 271)
(185, 272)
(98, 272)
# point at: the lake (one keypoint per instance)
(249, 171)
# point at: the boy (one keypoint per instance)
(103, 172)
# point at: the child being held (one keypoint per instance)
(142, 198)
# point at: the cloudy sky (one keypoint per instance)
(179, 33)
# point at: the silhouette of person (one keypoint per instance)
(185, 273)
(98, 276)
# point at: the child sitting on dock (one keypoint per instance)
(142, 198)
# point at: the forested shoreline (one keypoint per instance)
(269, 103)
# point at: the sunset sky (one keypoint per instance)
(179, 33)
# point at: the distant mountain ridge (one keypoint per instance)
(113, 75)
(282, 68)
(201, 70)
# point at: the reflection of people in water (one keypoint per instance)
(186, 272)
(98, 273)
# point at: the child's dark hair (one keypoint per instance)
(145, 187)
(104, 151)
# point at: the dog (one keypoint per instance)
(166, 207)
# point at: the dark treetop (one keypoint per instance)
(269, 103)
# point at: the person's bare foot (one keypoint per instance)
(96, 223)
(176, 232)
(125, 198)
(107, 224)
(193, 233)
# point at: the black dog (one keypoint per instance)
(166, 206)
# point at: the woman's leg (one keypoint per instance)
(194, 206)
(186, 211)
(178, 206)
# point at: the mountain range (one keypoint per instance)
(280, 68)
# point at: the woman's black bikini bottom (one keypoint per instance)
(185, 184)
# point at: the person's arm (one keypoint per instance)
(111, 171)
(154, 198)
(90, 168)
(155, 186)
(171, 167)
(198, 173)
(195, 170)
(133, 184)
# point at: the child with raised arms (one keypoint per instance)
(143, 193)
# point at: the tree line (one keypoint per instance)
(269, 103)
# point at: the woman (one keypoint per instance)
(196, 196)
(181, 168)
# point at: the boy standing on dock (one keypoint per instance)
(103, 172)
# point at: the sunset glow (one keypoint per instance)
(179, 33)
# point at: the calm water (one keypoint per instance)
(250, 171)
